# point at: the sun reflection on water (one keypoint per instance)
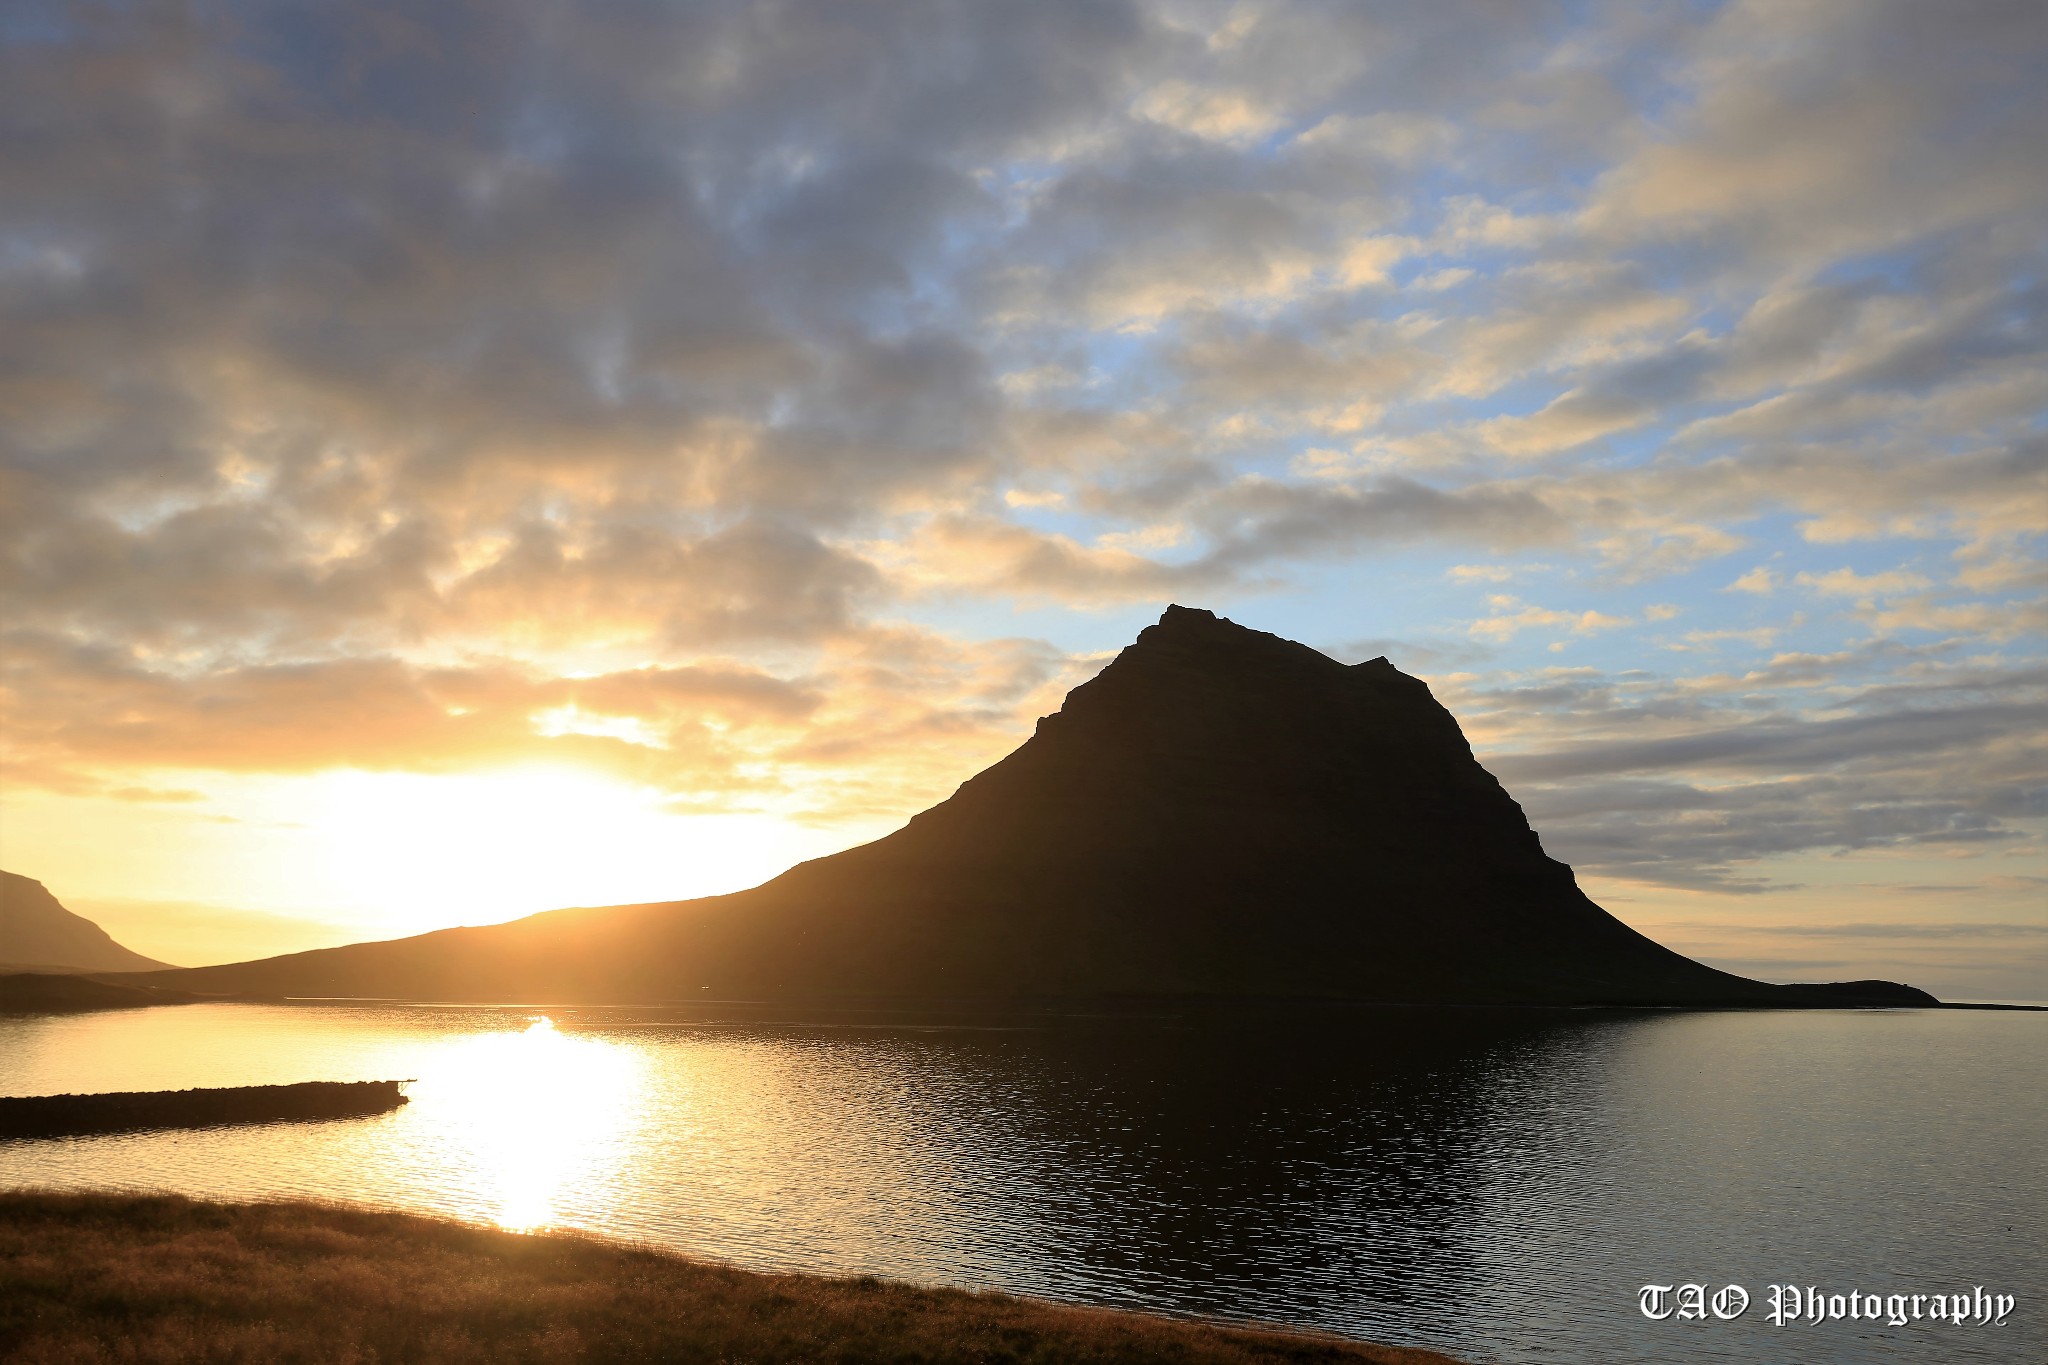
(541, 1111)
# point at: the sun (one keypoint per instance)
(417, 851)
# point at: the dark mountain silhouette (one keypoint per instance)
(36, 932)
(1220, 813)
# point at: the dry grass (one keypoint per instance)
(102, 1278)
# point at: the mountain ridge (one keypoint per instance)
(1219, 812)
(38, 934)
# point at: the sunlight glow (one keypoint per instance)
(573, 720)
(544, 1111)
(420, 852)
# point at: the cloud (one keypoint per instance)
(712, 735)
(753, 581)
(1220, 115)
(1623, 397)
(1781, 743)
(767, 279)
(1830, 130)
(1513, 616)
(1694, 782)
(1257, 520)
(1995, 621)
(1849, 583)
(96, 708)
(1945, 931)
(986, 555)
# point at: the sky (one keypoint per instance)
(461, 460)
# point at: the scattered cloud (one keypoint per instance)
(1849, 583)
(1512, 615)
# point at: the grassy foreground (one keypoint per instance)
(90, 1278)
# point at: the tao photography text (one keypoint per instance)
(1787, 1304)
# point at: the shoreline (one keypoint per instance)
(85, 1276)
(937, 1010)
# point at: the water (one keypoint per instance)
(1498, 1187)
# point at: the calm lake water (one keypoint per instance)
(1495, 1186)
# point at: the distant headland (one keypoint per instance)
(1220, 815)
(37, 934)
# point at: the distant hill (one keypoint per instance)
(39, 934)
(1221, 813)
(73, 992)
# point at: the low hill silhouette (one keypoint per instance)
(1221, 813)
(77, 992)
(37, 932)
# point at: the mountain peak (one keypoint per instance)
(1194, 623)
(1200, 682)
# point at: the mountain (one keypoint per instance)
(38, 933)
(1219, 813)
